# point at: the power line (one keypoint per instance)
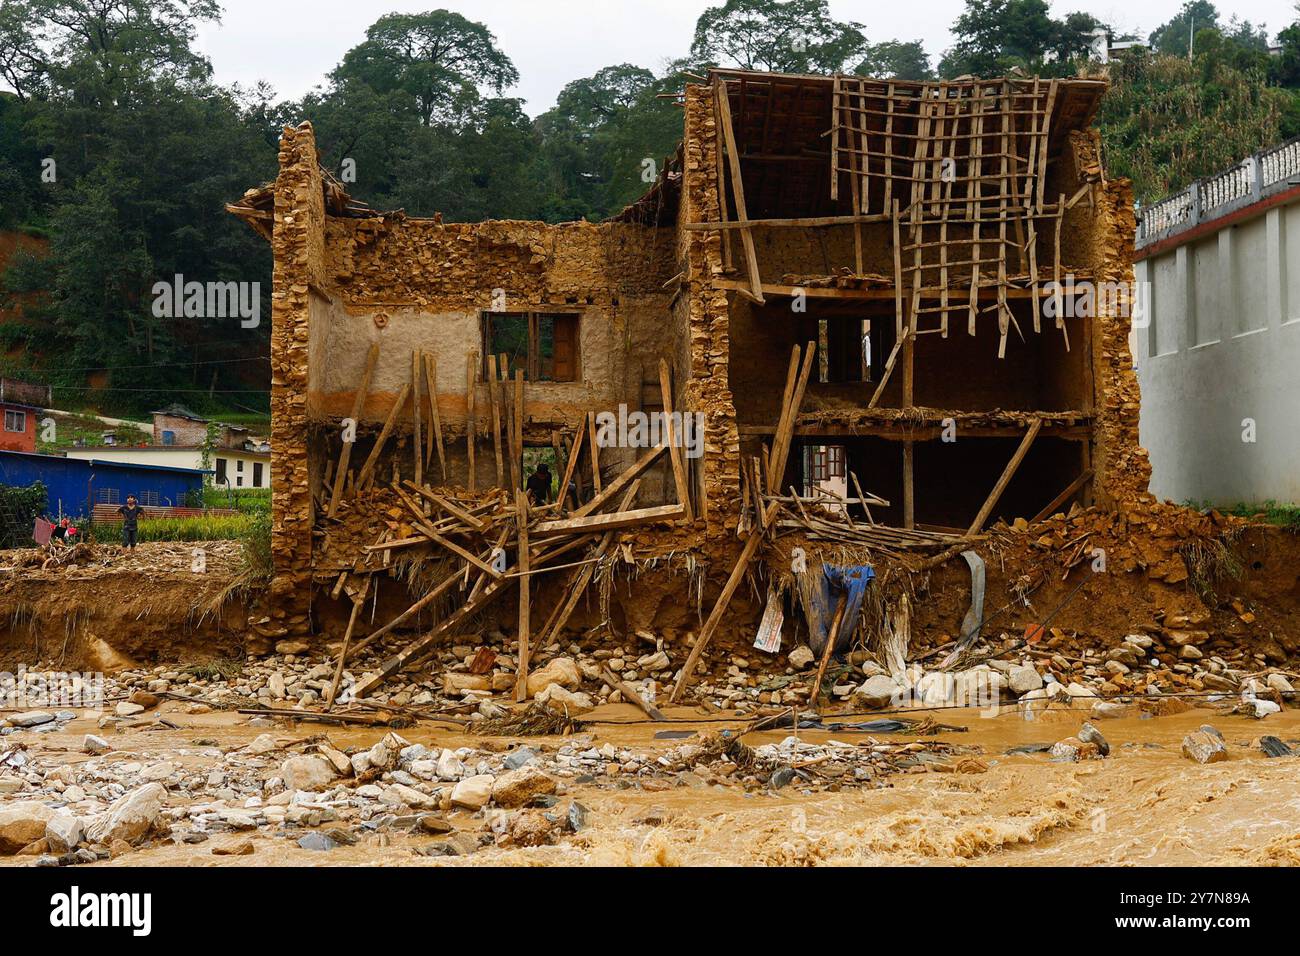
(118, 368)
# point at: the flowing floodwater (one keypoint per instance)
(1144, 804)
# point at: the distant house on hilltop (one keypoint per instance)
(20, 404)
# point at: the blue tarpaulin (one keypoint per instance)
(852, 581)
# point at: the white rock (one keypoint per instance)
(127, 709)
(561, 670)
(130, 817)
(801, 657)
(63, 832)
(449, 766)
(1024, 678)
(879, 691)
(21, 823)
(94, 745)
(472, 793)
(558, 699)
(307, 772)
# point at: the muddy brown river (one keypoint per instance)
(1146, 804)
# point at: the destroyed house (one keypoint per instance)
(871, 292)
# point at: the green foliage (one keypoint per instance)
(202, 528)
(996, 36)
(1270, 512)
(1224, 114)
(256, 563)
(19, 509)
(798, 36)
(896, 59)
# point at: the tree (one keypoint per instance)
(1174, 37)
(797, 36)
(896, 59)
(438, 61)
(994, 36)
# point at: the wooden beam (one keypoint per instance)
(803, 222)
(674, 449)
(738, 188)
(569, 463)
(1070, 490)
(630, 695)
(889, 367)
(373, 459)
(622, 481)
(724, 599)
(521, 672)
(831, 637)
(450, 507)
(358, 405)
(496, 418)
(785, 431)
(471, 360)
(416, 373)
(909, 484)
(431, 373)
(519, 425)
(609, 522)
(357, 602)
(1007, 474)
(418, 648)
(593, 451)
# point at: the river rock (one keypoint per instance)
(801, 657)
(1024, 678)
(518, 787)
(31, 718)
(1204, 747)
(561, 670)
(22, 823)
(876, 692)
(63, 832)
(557, 698)
(307, 772)
(130, 817)
(472, 793)
(94, 745)
(127, 709)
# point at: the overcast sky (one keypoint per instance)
(292, 44)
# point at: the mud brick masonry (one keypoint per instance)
(832, 269)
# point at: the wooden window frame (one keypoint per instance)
(533, 362)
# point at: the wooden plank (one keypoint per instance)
(438, 591)
(570, 462)
(357, 602)
(889, 368)
(724, 599)
(358, 405)
(417, 445)
(831, 637)
(431, 374)
(368, 468)
(450, 507)
(1063, 497)
(471, 362)
(785, 431)
(797, 222)
(420, 647)
(518, 454)
(610, 521)
(593, 451)
(496, 418)
(1007, 474)
(469, 556)
(521, 672)
(738, 188)
(647, 459)
(674, 449)
(909, 485)
(630, 695)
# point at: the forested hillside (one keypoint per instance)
(118, 150)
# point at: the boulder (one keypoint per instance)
(1280, 684)
(1024, 678)
(94, 745)
(454, 683)
(801, 657)
(518, 787)
(130, 817)
(449, 766)
(31, 718)
(307, 772)
(560, 670)
(1204, 747)
(127, 709)
(63, 832)
(22, 823)
(657, 661)
(878, 691)
(472, 793)
(564, 701)
(289, 648)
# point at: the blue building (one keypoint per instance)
(75, 486)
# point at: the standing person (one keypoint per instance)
(130, 513)
(539, 485)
